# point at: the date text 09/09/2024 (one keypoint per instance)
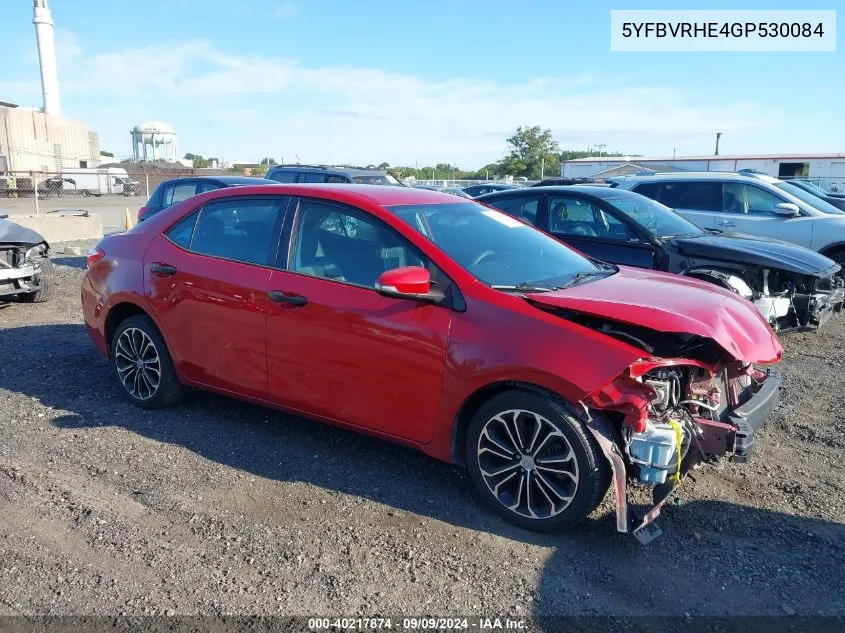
(414, 623)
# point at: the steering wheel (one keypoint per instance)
(482, 256)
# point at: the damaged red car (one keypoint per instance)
(445, 325)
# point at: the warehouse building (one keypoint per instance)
(33, 141)
(829, 169)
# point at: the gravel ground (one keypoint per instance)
(222, 507)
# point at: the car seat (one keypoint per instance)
(562, 224)
(311, 259)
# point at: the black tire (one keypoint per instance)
(45, 279)
(169, 390)
(838, 256)
(593, 471)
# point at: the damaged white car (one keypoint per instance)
(26, 273)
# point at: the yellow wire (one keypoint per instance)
(677, 475)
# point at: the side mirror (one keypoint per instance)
(410, 282)
(787, 209)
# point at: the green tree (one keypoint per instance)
(200, 161)
(268, 161)
(530, 147)
(104, 153)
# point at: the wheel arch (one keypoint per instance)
(118, 313)
(712, 274)
(832, 249)
(476, 400)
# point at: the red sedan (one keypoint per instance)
(443, 324)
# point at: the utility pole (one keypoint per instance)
(674, 150)
(718, 136)
(542, 167)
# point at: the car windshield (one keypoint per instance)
(377, 179)
(498, 249)
(808, 198)
(808, 186)
(657, 218)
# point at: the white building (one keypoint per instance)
(829, 169)
(33, 141)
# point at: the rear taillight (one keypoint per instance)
(141, 212)
(95, 255)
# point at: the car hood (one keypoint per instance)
(13, 233)
(756, 251)
(671, 303)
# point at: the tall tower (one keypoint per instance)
(43, 20)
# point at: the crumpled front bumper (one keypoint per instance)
(822, 306)
(734, 437)
(10, 275)
(749, 417)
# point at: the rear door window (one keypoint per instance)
(696, 196)
(178, 192)
(311, 176)
(240, 229)
(287, 175)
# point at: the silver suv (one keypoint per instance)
(754, 204)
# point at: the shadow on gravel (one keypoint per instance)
(713, 557)
(74, 262)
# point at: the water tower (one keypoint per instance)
(155, 135)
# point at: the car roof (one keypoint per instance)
(226, 180)
(692, 175)
(588, 190)
(353, 171)
(383, 195)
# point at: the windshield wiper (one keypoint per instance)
(526, 286)
(586, 274)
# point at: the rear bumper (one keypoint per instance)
(749, 417)
(92, 314)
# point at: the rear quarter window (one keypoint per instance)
(182, 232)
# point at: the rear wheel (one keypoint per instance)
(43, 279)
(535, 463)
(143, 364)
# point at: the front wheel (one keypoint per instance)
(534, 462)
(143, 364)
(43, 279)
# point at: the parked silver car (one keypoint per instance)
(751, 204)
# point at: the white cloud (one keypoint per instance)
(286, 10)
(228, 104)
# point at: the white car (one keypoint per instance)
(751, 204)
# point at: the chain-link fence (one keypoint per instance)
(105, 189)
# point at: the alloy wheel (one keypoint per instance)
(527, 464)
(138, 363)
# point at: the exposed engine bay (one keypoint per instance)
(25, 270)
(787, 300)
(685, 404)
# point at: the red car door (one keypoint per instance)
(207, 279)
(338, 349)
